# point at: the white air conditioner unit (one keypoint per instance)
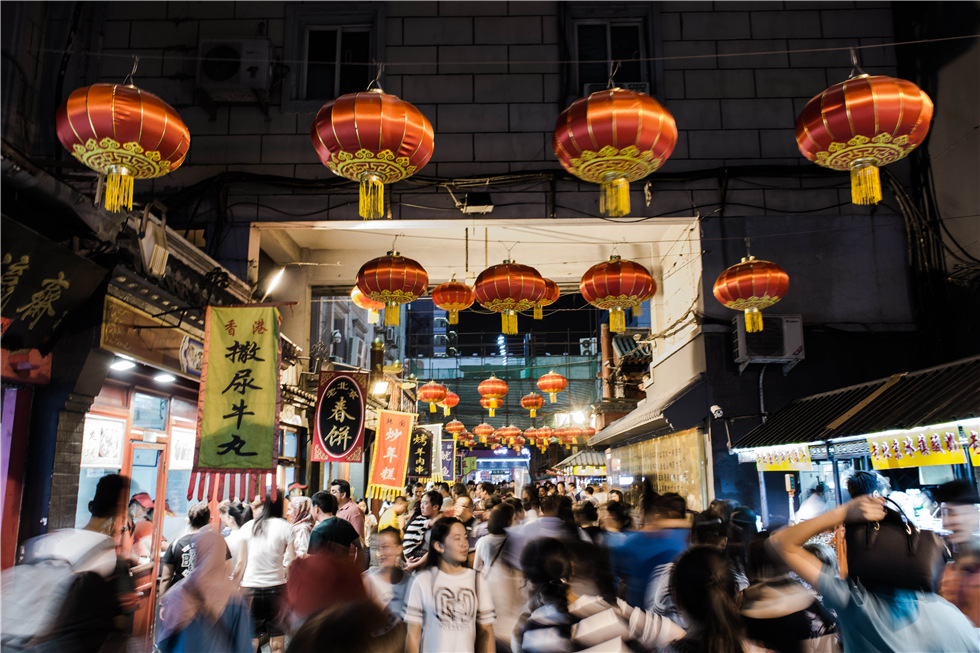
(588, 347)
(780, 341)
(233, 70)
(636, 87)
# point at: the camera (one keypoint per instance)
(717, 412)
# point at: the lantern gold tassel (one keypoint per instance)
(372, 316)
(491, 415)
(432, 408)
(118, 190)
(617, 320)
(445, 411)
(865, 183)
(534, 412)
(453, 318)
(638, 309)
(538, 314)
(552, 397)
(508, 321)
(614, 199)
(391, 315)
(372, 199)
(753, 320)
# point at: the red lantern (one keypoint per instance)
(507, 434)
(518, 443)
(392, 279)
(449, 402)
(546, 433)
(507, 289)
(361, 301)
(532, 402)
(611, 138)
(466, 439)
(551, 295)
(552, 384)
(372, 138)
(861, 124)
(455, 428)
(124, 133)
(490, 405)
(617, 285)
(749, 286)
(493, 389)
(588, 432)
(432, 393)
(453, 297)
(482, 432)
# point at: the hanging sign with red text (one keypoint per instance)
(341, 408)
(919, 448)
(783, 459)
(389, 463)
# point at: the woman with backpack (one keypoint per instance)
(449, 607)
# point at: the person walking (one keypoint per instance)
(266, 552)
(416, 541)
(449, 606)
(179, 559)
(346, 508)
(332, 532)
(300, 517)
(387, 583)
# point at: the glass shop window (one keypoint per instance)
(150, 412)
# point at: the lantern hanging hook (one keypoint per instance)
(509, 249)
(855, 66)
(136, 64)
(613, 69)
(748, 247)
(394, 240)
(377, 78)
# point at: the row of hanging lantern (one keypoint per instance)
(511, 436)
(492, 392)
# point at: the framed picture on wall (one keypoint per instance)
(102, 442)
(181, 448)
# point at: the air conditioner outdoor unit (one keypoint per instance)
(780, 341)
(636, 87)
(588, 347)
(233, 70)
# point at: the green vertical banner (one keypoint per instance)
(238, 402)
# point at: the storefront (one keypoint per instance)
(584, 468)
(501, 465)
(672, 463)
(917, 429)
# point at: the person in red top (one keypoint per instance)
(348, 509)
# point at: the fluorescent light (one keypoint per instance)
(163, 377)
(578, 416)
(121, 364)
(274, 282)
(380, 388)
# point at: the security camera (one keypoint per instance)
(717, 411)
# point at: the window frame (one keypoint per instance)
(300, 20)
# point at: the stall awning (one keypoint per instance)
(682, 411)
(937, 395)
(585, 457)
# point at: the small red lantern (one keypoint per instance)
(449, 402)
(508, 433)
(371, 306)
(545, 433)
(611, 138)
(455, 428)
(551, 384)
(532, 402)
(495, 389)
(588, 432)
(508, 288)
(863, 123)
(392, 279)
(617, 285)
(453, 297)
(432, 393)
(551, 295)
(518, 443)
(749, 286)
(482, 432)
(372, 138)
(124, 133)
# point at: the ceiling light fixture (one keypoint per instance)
(163, 377)
(121, 364)
(274, 282)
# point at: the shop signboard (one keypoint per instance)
(102, 442)
(130, 331)
(447, 459)
(794, 458)
(341, 408)
(973, 442)
(389, 464)
(677, 461)
(588, 470)
(917, 448)
(421, 461)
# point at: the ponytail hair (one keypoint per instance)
(547, 566)
(703, 586)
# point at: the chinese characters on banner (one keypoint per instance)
(390, 461)
(338, 430)
(421, 462)
(238, 403)
(919, 448)
(973, 442)
(447, 459)
(794, 458)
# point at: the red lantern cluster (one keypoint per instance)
(617, 285)
(432, 393)
(750, 286)
(509, 288)
(392, 279)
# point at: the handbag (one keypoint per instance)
(894, 553)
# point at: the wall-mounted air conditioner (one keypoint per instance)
(588, 347)
(780, 341)
(636, 87)
(233, 70)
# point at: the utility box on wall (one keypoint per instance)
(780, 341)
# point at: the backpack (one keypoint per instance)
(40, 594)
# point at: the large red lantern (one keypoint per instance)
(453, 297)
(362, 301)
(551, 295)
(551, 384)
(449, 402)
(532, 402)
(455, 428)
(861, 124)
(508, 288)
(392, 279)
(617, 285)
(482, 432)
(611, 138)
(750, 286)
(372, 138)
(124, 133)
(432, 393)
(493, 390)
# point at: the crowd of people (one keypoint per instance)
(475, 567)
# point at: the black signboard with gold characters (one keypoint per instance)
(341, 406)
(420, 454)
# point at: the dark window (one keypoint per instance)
(600, 43)
(338, 61)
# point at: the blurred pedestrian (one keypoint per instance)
(961, 517)
(300, 516)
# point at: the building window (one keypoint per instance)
(329, 52)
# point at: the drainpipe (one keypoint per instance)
(605, 342)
